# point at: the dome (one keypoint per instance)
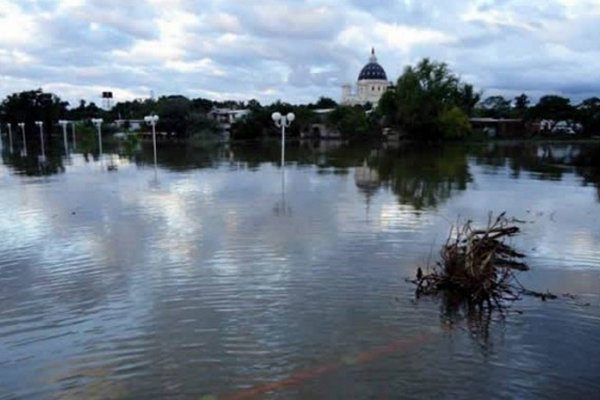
(372, 71)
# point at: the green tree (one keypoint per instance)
(136, 109)
(324, 102)
(423, 94)
(254, 105)
(86, 111)
(202, 105)
(350, 121)
(521, 106)
(495, 107)
(589, 111)
(555, 108)
(468, 98)
(173, 112)
(259, 124)
(31, 106)
(454, 123)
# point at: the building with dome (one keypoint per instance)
(372, 83)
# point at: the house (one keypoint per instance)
(225, 117)
(131, 124)
(500, 127)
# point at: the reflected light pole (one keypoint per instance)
(98, 122)
(40, 125)
(152, 120)
(64, 124)
(282, 121)
(22, 126)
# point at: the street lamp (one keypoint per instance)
(73, 133)
(10, 144)
(283, 121)
(98, 122)
(64, 124)
(22, 126)
(40, 125)
(152, 120)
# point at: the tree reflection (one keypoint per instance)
(540, 160)
(545, 161)
(423, 177)
(34, 165)
(587, 165)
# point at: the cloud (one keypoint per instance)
(290, 49)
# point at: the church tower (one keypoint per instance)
(372, 83)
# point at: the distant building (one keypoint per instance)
(225, 117)
(130, 124)
(371, 85)
(320, 129)
(500, 127)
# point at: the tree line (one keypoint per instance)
(427, 102)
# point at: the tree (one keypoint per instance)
(589, 111)
(422, 95)
(31, 106)
(324, 102)
(521, 105)
(554, 108)
(173, 112)
(350, 121)
(259, 124)
(469, 98)
(136, 109)
(86, 111)
(253, 105)
(202, 105)
(495, 107)
(454, 123)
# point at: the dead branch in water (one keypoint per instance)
(478, 265)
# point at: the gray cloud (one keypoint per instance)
(291, 50)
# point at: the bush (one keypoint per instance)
(454, 124)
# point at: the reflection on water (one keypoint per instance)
(222, 274)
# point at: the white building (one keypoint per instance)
(225, 117)
(372, 83)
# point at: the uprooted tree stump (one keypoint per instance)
(477, 264)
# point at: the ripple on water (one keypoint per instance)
(215, 281)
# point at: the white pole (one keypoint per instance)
(282, 142)
(152, 120)
(65, 138)
(282, 121)
(73, 131)
(99, 139)
(10, 143)
(154, 140)
(22, 126)
(24, 138)
(42, 139)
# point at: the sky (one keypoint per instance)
(292, 50)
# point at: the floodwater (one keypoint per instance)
(220, 275)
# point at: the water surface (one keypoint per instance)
(221, 274)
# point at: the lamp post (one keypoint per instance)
(73, 133)
(152, 120)
(98, 123)
(9, 125)
(64, 124)
(10, 144)
(283, 121)
(40, 125)
(22, 126)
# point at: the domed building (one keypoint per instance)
(372, 83)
